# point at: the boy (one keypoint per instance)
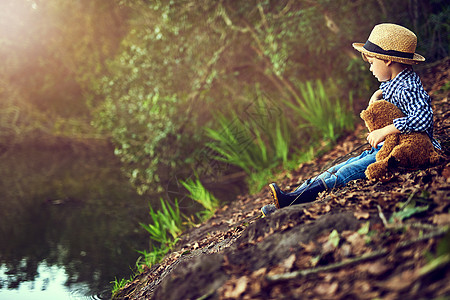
(390, 51)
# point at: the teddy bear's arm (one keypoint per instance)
(390, 142)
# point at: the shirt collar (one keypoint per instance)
(388, 87)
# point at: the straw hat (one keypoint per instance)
(391, 42)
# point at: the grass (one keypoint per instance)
(154, 256)
(165, 228)
(269, 135)
(167, 223)
(119, 284)
(198, 193)
(256, 141)
(325, 116)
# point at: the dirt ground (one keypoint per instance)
(364, 241)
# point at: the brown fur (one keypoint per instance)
(408, 150)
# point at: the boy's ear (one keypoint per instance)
(388, 63)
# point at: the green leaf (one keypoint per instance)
(436, 263)
(334, 238)
(364, 228)
(408, 211)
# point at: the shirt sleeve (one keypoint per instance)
(419, 115)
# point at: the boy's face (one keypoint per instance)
(380, 68)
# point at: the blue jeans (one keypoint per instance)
(342, 173)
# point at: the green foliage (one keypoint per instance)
(258, 180)
(206, 55)
(165, 228)
(410, 210)
(119, 284)
(163, 59)
(334, 238)
(430, 22)
(167, 224)
(445, 87)
(443, 247)
(441, 258)
(411, 207)
(325, 114)
(154, 256)
(198, 193)
(199, 57)
(364, 228)
(145, 129)
(259, 142)
(263, 137)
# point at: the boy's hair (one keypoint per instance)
(365, 56)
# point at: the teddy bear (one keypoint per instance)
(407, 150)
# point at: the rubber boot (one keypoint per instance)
(300, 195)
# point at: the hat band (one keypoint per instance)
(369, 46)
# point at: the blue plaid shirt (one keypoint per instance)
(407, 93)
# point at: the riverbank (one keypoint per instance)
(340, 246)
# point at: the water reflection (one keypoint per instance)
(68, 224)
(49, 284)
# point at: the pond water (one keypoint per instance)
(69, 224)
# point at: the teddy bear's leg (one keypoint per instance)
(403, 156)
(378, 170)
(434, 157)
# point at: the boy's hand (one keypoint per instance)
(376, 137)
(379, 135)
(378, 95)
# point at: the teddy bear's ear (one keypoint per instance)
(363, 114)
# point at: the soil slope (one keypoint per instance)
(342, 246)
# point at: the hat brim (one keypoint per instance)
(409, 61)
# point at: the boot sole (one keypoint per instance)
(273, 193)
(263, 213)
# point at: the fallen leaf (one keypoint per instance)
(260, 272)
(400, 282)
(235, 287)
(358, 243)
(361, 215)
(441, 219)
(310, 214)
(288, 262)
(363, 286)
(376, 268)
(446, 173)
(327, 288)
(310, 247)
(345, 250)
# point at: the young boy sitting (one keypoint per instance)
(390, 51)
